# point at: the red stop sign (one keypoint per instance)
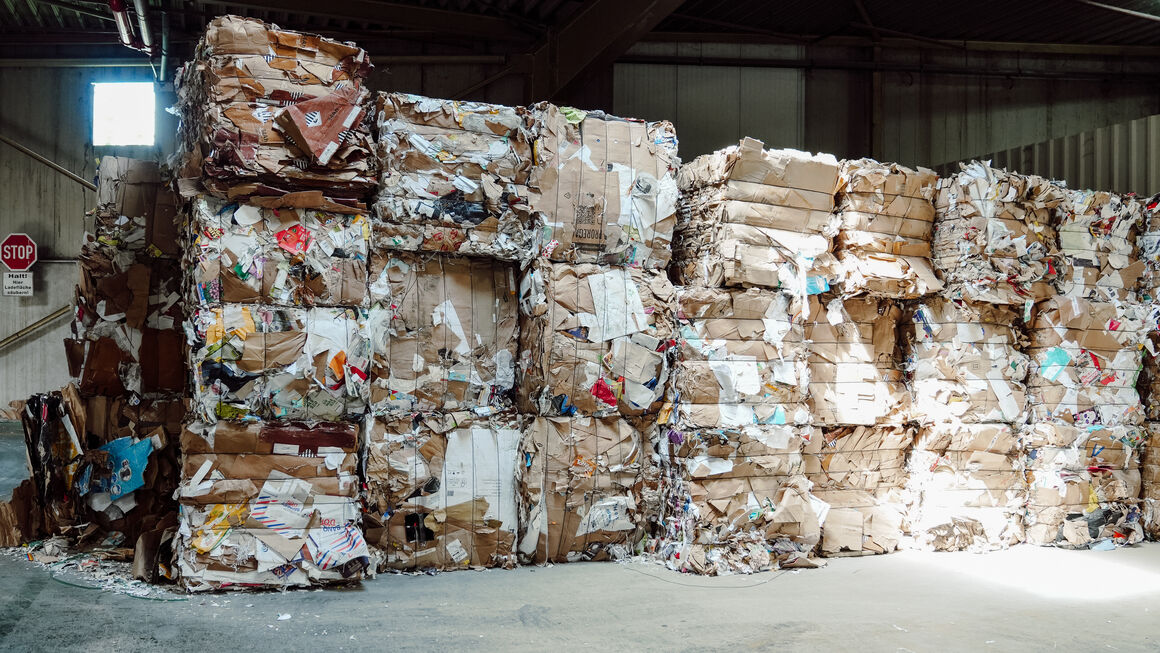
(18, 252)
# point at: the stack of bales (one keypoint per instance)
(277, 255)
(596, 313)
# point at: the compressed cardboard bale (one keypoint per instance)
(267, 112)
(270, 362)
(1085, 362)
(887, 215)
(755, 217)
(738, 501)
(1148, 250)
(1097, 245)
(1083, 484)
(442, 490)
(967, 485)
(135, 211)
(853, 376)
(740, 359)
(859, 473)
(1150, 481)
(442, 332)
(993, 238)
(594, 340)
(580, 489)
(603, 189)
(964, 362)
(454, 176)
(285, 257)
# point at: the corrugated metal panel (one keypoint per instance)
(1124, 158)
(36, 363)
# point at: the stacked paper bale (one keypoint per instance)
(280, 360)
(1097, 246)
(755, 217)
(1086, 416)
(1148, 293)
(266, 112)
(993, 236)
(443, 442)
(125, 353)
(967, 376)
(455, 176)
(1150, 481)
(883, 247)
(596, 313)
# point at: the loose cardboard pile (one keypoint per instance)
(442, 332)
(887, 217)
(454, 176)
(735, 494)
(604, 189)
(854, 379)
(1097, 245)
(266, 112)
(594, 340)
(442, 490)
(1084, 484)
(858, 473)
(755, 217)
(740, 359)
(240, 253)
(964, 362)
(1085, 361)
(993, 240)
(968, 487)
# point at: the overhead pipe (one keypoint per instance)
(124, 27)
(143, 22)
(164, 45)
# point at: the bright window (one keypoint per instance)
(123, 113)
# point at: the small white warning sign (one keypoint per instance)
(18, 284)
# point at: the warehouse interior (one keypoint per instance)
(886, 378)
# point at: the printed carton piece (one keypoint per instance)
(594, 340)
(740, 359)
(755, 217)
(603, 189)
(454, 176)
(854, 379)
(1085, 361)
(1083, 484)
(887, 214)
(246, 254)
(580, 489)
(968, 488)
(442, 332)
(738, 500)
(1097, 245)
(271, 363)
(442, 490)
(267, 112)
(964, 363)
(993, 236)
(858, 476)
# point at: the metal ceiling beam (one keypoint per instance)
(1120, 10)
(399, 15)
(598, 33)
(83, 11)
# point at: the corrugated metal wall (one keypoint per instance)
(1124, 158)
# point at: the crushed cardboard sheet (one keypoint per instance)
(740, 359)
(603, 188)
(1097, 245)
(268, 113)
(968, 489)
(993, 238)
(964, 363)
(755, 217)
(1083, 484)
(443, 333)
(454, 176)
(887, 214)
(854, 376)
(1085, 361)
(594, 340)
(443, 490)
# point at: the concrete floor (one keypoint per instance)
(1026, 599)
